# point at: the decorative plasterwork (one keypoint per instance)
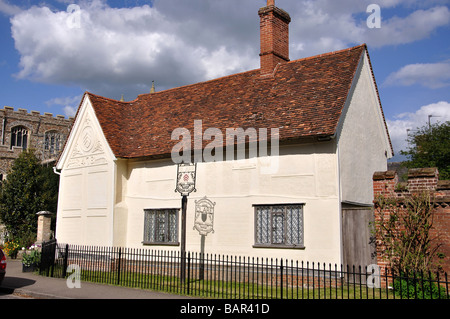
(88, 150)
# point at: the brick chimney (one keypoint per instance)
(274, 29)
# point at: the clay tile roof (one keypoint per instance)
(303, 99)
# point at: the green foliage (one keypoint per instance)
(28, 189)
(429, 146)
(418, 286)
(33, 257)
(26, 239)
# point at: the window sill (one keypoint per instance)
(274, 246)
(152, 243)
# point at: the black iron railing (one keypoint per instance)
(222, 276)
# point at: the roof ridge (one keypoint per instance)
(330, 53)
(109, 99)
(198, 83)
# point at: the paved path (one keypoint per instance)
(42, 287)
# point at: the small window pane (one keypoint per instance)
(277, 228)
(279, 225)
(161, 226)
(52, 142)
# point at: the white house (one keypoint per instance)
(118, 178)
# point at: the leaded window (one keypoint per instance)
(161, 226)
(19, 137)
(52, 142)
(279, 225)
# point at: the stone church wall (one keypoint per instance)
(37, 126)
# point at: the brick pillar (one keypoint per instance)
(420, 179)
(384, 183)
(44, 223)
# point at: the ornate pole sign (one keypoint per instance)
(186, 174)
(204, 216)
(186, 178)
(203, 223)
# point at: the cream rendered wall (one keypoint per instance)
(120, 204)
(306, 174)
(86, 193)
(363, 145)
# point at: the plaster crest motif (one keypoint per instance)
(88, 149)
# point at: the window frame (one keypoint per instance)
(17, 131)
(277, 211)
(147, 237)
(52, 142)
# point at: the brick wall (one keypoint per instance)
(419, 179)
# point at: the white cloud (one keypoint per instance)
(326, 25)
(69, 104)
(122, 50)
(401, 30)
(70, 111)
(412, 120)
(431, 75)
(8, 9)
(221, 61)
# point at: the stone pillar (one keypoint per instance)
(43, 229)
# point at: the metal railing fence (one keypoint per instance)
(237, 277)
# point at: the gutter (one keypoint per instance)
(55, 171)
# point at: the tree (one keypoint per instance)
(429, 146)
(28, 189)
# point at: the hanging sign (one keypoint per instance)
(204, 216)
(186, 178)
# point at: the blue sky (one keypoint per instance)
(54, 50)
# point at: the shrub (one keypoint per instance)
(11, 248)
(32, 258)
(418, 286)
